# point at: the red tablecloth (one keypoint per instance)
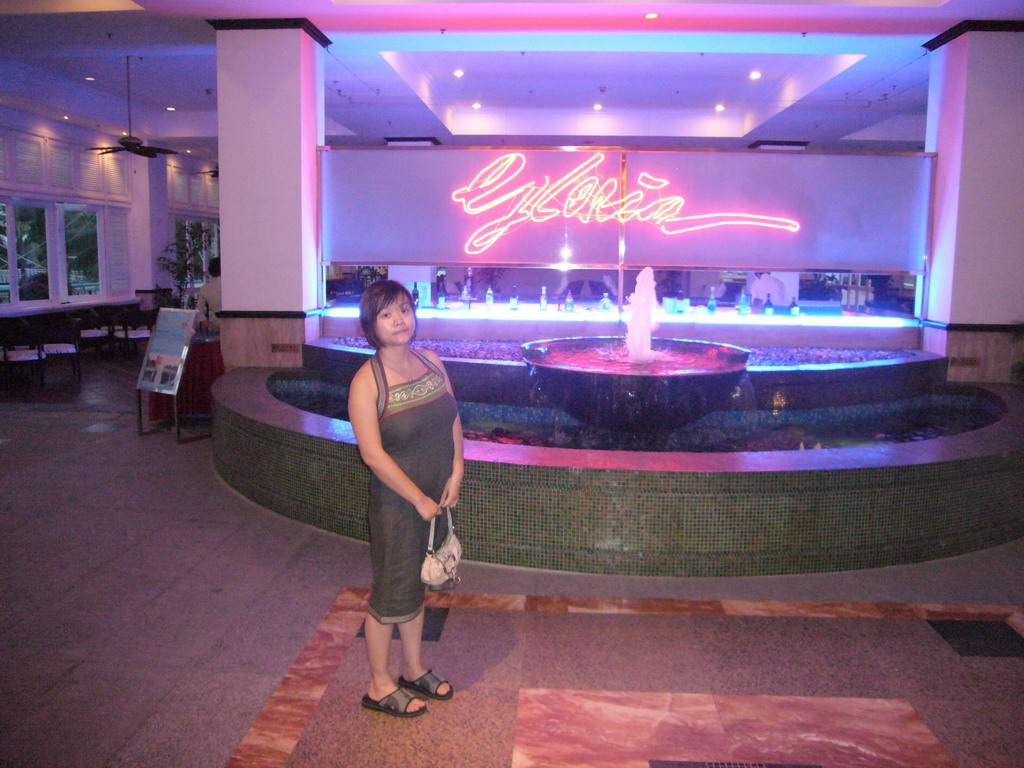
(202, 367)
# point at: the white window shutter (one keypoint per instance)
(118, 263)
(90, 178)
(62, 166)
(28, 160)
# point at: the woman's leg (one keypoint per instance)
(378, 645)
(411, 633)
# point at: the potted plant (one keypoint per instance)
(185, 264)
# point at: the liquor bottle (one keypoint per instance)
(568, 301)
(415, 296)
(465, 293)
(794, 309)
(543, 297)
(712, 302)
(743, 304)
(490, 298)
(440, 301)
(769, 308)
(513, 302)
(605, 302)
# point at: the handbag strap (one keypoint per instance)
(451, 530)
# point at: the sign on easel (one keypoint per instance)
(169, 341)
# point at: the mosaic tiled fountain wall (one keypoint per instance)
(665, 514)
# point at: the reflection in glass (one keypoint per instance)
(5, 271)
(33, 272)
(82, 250)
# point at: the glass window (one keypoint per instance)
(82, 252)
(33, 271)
(5, 265)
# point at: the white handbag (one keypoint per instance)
(439, 566)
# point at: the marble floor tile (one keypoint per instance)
(601, 729)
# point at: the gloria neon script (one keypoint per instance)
(580, 194)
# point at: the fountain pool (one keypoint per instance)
(673, 513)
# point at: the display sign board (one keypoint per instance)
(583, 207)
(167, 350)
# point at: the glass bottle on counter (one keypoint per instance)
(794, 308)
(440, 301)
(769, 308)
(465, 293)
(605, 303)
(743, 304)
(415, 296)
(712, 302)
(568, 301)
(489, 298)
(513, 302)
(543, 297)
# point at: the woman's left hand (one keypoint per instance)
(450, 496)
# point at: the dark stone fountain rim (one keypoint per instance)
(737, 356)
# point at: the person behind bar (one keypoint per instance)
(208, 304)
(764, 285)
(409, 434)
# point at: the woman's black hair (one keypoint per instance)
(376, 297)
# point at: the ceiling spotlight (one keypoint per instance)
(476, 105)
(188, 151)
(170, 109)
(597, 107)
(719, 107)
(90, 79)
(66, 117)
(755, 75)
(458, 73)
(652, 16)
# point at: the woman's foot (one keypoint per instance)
(430, 685)
(398, 703)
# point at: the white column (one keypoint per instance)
(270, 123)
(975, 114)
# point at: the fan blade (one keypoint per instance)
(143, 152)
(107, 150)
(163, 151)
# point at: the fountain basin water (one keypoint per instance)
(594, 380)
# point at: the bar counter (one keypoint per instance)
(529, 322)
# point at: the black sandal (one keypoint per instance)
(395, 704)
(427, 685)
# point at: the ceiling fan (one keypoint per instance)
(131, 143)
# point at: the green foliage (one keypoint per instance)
(192, 241)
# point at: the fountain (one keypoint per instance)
(638, 383)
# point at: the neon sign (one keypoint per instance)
(581, 195)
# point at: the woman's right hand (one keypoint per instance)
(427, 508)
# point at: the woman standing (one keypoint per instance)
(409, 434)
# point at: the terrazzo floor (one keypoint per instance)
(151, 617)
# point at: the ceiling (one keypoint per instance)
(848, 74)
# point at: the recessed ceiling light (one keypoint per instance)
(755, 75)
(652, 16)
(188, 151)
(170, 109)
(90, 79)
(598, 107)
(458, 73)
(476, 105)
(719, 107)
(66, 117)
(124, 133)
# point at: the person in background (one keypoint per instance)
(763, 285)
(209, 302)
(409, 434)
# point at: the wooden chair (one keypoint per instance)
(21, 346)
(61, 338)
(95, 328)
(133, 326)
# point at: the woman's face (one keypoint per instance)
(396, 323)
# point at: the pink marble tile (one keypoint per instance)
(801, 609)
(352, 599)
(601, 729)
(967, 612)
(837, 732)
(1016, 620)
(485, 602)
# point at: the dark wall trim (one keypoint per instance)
(304, 24)
(973, 327)
(974, 25)
(299, 314)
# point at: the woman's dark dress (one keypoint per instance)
(416, 421)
